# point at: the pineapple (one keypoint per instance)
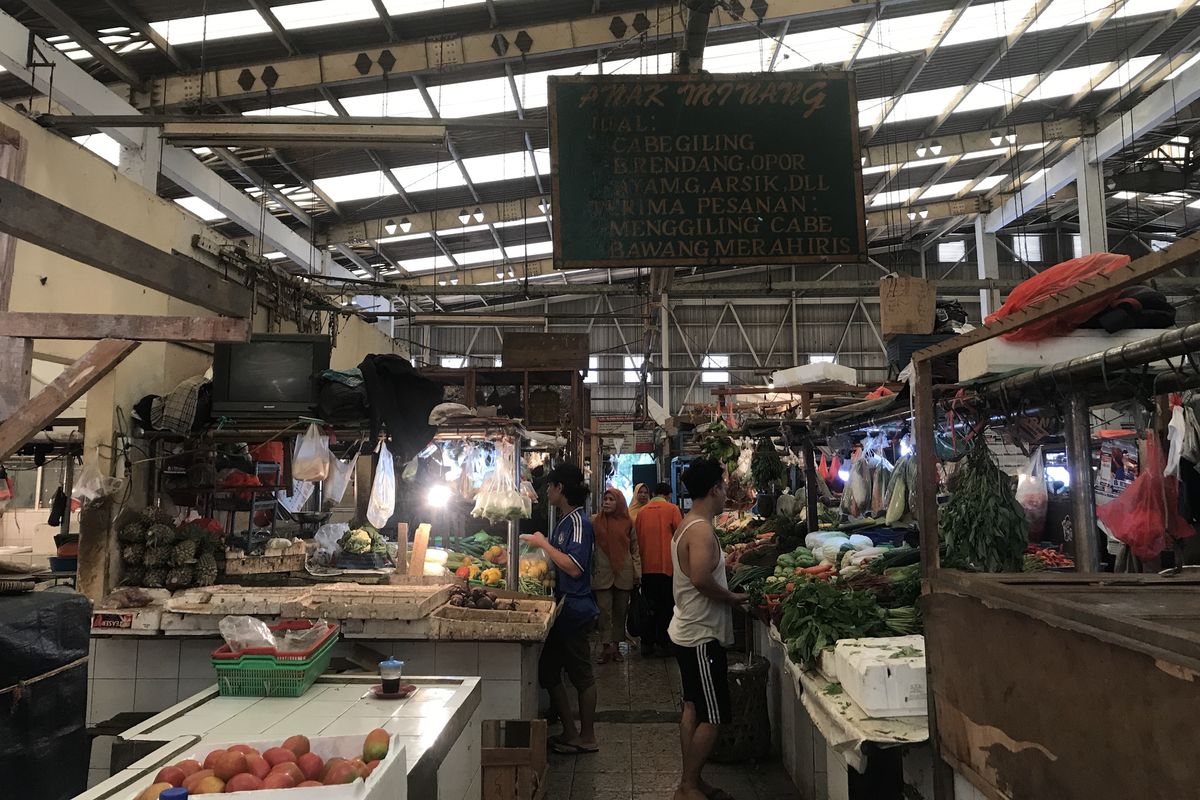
(160, 535)
(157, 556)
(134, 575)
(206, 569)
(179, 578)
(156, 516)
(132, 533)
(133, 554)
(184, 551)
(154, 579)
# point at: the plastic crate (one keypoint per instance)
(267, 672)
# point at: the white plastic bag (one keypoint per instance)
(383, 490)
(90, 485)
(301, 491)
(339, 477)
(1032, 495)
(310, 459)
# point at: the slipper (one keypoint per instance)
(564, 749)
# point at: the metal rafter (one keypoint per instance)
(989, 63)
(281, 33)
(918, 67)
(1154, 73)
(85, 39)
(1080, 39)
(135, 21)
(386, 19)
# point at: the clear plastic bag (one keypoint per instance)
(328, 536)
(243, 633)
(1032, 495)
(90, 485)
(339, 477)
(383, 489)
(310, 459)
(498, 498)
(296, 640)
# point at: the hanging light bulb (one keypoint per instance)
(500, 274)
(441, 281)
(1011, 136)
(912, 215)
(464, 216)
(512, 274)
(405, 224)
(544, 206)
(923, 213)
(935, 147)
(921, 150)
(477, 215)
(454, 281)
(390, 227)
(996, 138)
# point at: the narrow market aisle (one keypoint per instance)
(638, 728)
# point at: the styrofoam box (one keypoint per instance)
(883, 683)
(389, 781)
(814, 373)
(998, 356)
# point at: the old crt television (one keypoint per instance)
(270, 375)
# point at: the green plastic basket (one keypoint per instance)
(280, 675)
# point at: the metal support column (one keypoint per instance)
(811, 493)
(1089, 181)
(664, 331)
(987, 258)
(514, 525)
(1083, 495)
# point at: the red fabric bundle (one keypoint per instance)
(1146, 515)
(1052, 281)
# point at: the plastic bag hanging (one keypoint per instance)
(310, 459)
(1032, 495)
(498, 498)
(383, 489)
(339, 476)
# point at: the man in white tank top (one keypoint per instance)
(702, 626)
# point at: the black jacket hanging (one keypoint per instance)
(400, 402)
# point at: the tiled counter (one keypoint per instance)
(153, 673)
(439, 727)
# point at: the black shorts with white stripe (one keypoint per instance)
(705, 673)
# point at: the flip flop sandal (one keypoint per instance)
(564, 749)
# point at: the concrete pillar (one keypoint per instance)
(141, 164)
(1089, 181)
(987, 257)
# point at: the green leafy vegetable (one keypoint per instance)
(983, 524)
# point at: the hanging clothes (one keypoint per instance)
(400, 401)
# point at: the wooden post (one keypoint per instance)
(16, 355)
(416, 564)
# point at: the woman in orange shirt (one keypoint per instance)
(616, 569)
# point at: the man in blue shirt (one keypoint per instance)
(569, 549)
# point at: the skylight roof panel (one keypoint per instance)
(812, 48)
(506, 166)
(643, 65)
(323, 12)
(992, 94)
(359, 186)
(406, 103)
(527, 221)
(473, 98)
(408, 237)
(102, 145)
(398, 7)
(1035, 177)
(902, 34)
(918, 105)
(1139, 7)
(989, 153)
(1183, 67)
(877, 169)
(945, 189)
(988, 183)
(926, 162)
(533, 88)
(891, 198)
(753, 55)
(1065, 13)
(869, 111)
(426, 264)
(318, 108)
(429, 177)
(472, 257)
(992, 21)
(187, 30)
(531, 250)
(201, 209)
(1066, 82)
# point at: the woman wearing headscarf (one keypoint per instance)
(616, 569)
(641, 496)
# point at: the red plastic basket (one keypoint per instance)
(268, 672)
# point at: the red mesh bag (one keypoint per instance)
(1146, 515)
(1047, 284)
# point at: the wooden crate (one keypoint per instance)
(352, 601)
(529, 623)
(291, 560)
(221, 600)
(513, 758)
